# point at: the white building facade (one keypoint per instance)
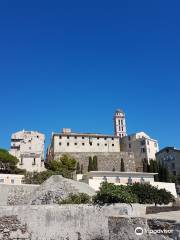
(68, 142)
(11, 179)
(96, 178)
(28, 147)
(143, 147)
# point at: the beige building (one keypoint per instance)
(28, 147)
(170, 156)
(94, 179)
(11, 179)
(67, 142)
(143, 147)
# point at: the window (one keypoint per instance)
(75, 143)
(113, 145)
(174, 173)
(129, 138)
(90, 143)
(97, 144)
(147, 142)
(119, 128)
(105, 138)
(82, 137)
(68, 144)
(59, 143)
(1, 180)
(143, 150)
(122, 122)
(105, 144)
(129, 145)
(67, 137)
(37, 136)
(122, 129)
(155, 144)
(75, 137)
(143, 142)
(83, 144)
(97, 138)
(29, 148)
(119, 122)
(112, 138)
(59, 137)
(12, 181)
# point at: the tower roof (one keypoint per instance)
(119, 111)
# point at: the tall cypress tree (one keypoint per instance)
(82, 168)
(90, 165)
(95, 163)
(122, 165)
(77, 168)
(151, 166)
(145, 165)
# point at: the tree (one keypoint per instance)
(110, 193)
(163, 197)
(145, 165)
(78, 198)
(82, 168)
(95, 163)
(64, 166)
(78, 171)
(122, 165)
(145, 192)
(37, 177)
(148, 194)
(162, 170)
(151, 166)
(8, 163)
(90, 165)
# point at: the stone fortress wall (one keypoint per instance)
(80, 222)
(106, 161)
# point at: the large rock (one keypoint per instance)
(125, 228)
(57, 187)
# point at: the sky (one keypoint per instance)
(73, 63)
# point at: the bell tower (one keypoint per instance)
(119, 123)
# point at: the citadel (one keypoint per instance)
(31, 211)
(110, 150)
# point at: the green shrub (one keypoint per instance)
(142, 193)
(148, 194)
(37, 177)
(110, 194)
(79, 198)
(164, 197)
(145, 192)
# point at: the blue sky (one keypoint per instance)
(72, 63)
